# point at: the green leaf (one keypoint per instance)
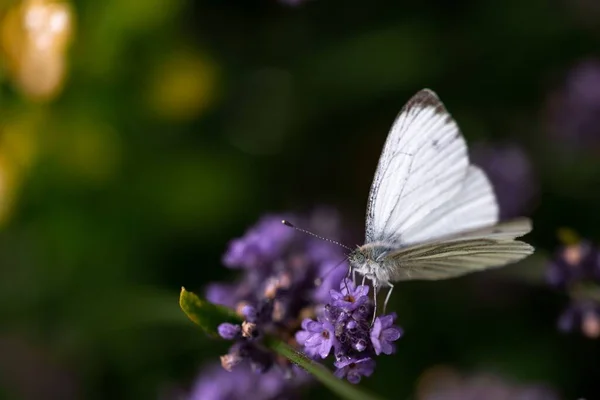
(342, 388)
(205, 314)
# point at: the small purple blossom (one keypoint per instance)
(350, 297)
(354, 370)
(316, 337)
(355, 340)
(383, 333)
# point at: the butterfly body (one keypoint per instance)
(369, 261)
(364, 261)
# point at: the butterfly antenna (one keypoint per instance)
(288, 223)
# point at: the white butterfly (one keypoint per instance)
(431, 214)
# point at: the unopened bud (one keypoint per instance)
(229, 361)
(248, 329)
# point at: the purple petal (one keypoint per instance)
(229, 331)
(340, 372)
(386, 321)
(301, 337)
(353, 377)
(325, 347)
(387, 348)
(362, 290)
(222, 294)
(391, 334)
(249, 312)
(335, 295)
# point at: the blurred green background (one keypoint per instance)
(138, 137)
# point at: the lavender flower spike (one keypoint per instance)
(274, 293)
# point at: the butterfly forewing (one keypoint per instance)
(423, 165)
(473, 207)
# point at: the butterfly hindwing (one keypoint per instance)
(460, 254)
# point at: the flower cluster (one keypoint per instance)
(345, 326)
(275, 292)
(576, 269)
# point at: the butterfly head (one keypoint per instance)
(359, 260)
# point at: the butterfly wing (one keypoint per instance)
(473, 207)
(423, 166)
(460, 254)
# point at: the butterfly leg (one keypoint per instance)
(375, 290)
(387, 297)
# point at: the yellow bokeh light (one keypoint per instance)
(34, 37)
(183, 86)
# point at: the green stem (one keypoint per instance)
(322, 374)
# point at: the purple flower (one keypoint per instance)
(316, 337)
(350, 297)
(511, 174)
(353, 370)
(348, 317)
(383, 333)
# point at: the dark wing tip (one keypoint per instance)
(426, 92)
(426, 98)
